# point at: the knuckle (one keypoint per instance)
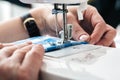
(70, 16)
(1, 58)
(114, 31)
(1, 67)
(92, 8)
(4, 66)
(20, 51)
(35, 53)
(23, 74)
(6, 49)
(37, 49)
(40, 47)
(1, 45)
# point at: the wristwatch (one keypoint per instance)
(30, 25)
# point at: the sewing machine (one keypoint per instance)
(66, 34)
(79, 62)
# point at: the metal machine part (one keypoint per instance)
(67, 31)
(79, 62)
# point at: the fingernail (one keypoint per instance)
(84, 38)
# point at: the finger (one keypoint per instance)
(113, 44)
(23, 44)
(33, 59)
(77, 33)
(97, 33)
(8, 51)
(5, 44)
(97, 22)
(1, 45)
(108, 37)
(19, 54)
(1, 57)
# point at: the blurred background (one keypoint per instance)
(109, 10)
(12, 8)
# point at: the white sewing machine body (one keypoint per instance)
(54, 1)
(82, 62)
(78, 62)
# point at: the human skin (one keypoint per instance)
(92, 29)
(23, 61)
(20, 62)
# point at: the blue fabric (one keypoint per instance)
(50, 43)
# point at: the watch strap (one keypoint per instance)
(30, 25)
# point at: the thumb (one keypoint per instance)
(79, 34)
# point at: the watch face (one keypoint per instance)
(54, 1)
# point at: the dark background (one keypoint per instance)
(109, 9)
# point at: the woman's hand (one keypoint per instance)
(20, 62)
(92, 29)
